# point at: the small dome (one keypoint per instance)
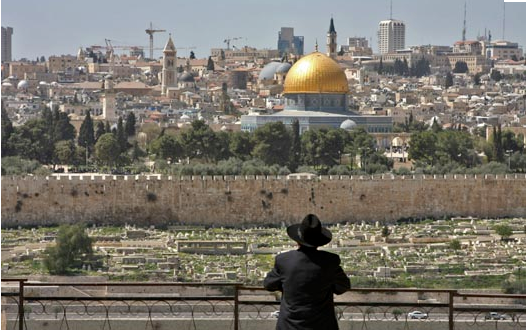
(23, 84)
(184, 117)
(186, 77)
(109, 76)
(283, 68)
(7, 84)
(268, 71)
(348, 124)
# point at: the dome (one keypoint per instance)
(186, 77)
(283, 68)
(316, 73)
(23, 84)
(268, 71)
(348, 124)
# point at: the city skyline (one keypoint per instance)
(59, 27)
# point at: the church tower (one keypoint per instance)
(169, 74)
(332, 40)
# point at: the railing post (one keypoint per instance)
(451, 310)
(236, 306)
(21, 305)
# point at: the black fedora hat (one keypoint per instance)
(309, 232)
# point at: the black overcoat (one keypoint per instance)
(308, 278)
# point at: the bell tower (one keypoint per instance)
(332, 40)
(169, 74)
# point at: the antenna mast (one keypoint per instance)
(390, 9)
(464, 23)
(503, 36)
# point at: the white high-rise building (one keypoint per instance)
(391, 36)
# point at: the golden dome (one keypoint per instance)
(316, 73)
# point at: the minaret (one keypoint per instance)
(108, 100)
(80, 54)
(169, 74)
(332, 40)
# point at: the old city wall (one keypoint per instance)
(239, 201)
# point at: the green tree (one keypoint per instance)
(86, 134)
(32, 141)
(65, 152)
(62, 128)
(423, 147)
(272, 143)
(477, 78)
(99, 130)
(137, 152)
(121, 136)
(167, 147)
(385, 232)
(107, 150)
(241, 145)
(73, 248)
(504, 230)
(129, 127)
(296, 149)
(449, 80)
(210, 64)
(7, 131)
(455, 245)
(460, 67)
(435, 126)
(192, 55)
(496, 75)
(199, 141)
(380, 68)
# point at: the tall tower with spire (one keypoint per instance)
(332, 40)
(169, 73)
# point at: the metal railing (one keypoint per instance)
(153, 301)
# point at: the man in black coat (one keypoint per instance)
(307, 278)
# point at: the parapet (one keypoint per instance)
(159, 177)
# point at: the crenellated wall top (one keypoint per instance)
(159, 177)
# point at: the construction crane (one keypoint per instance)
(228, 41)
(151, 32)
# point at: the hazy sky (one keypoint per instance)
(54, 27)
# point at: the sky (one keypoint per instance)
(56, 27)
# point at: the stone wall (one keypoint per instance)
(239, 201)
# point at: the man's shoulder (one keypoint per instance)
(329, 255)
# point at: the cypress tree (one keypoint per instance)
(121, 136)
(130, 124)
(294, 155)
(86, 135)
(99, 130)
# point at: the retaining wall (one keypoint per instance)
(239, 201)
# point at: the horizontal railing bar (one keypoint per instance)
(257, 288)
(204, 298)
(10, 294)
(490, 309)
(490, 295)
(132, 284)
(345, 303)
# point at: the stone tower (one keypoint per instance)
(332, 40)
(108, 101)
(169, 75)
